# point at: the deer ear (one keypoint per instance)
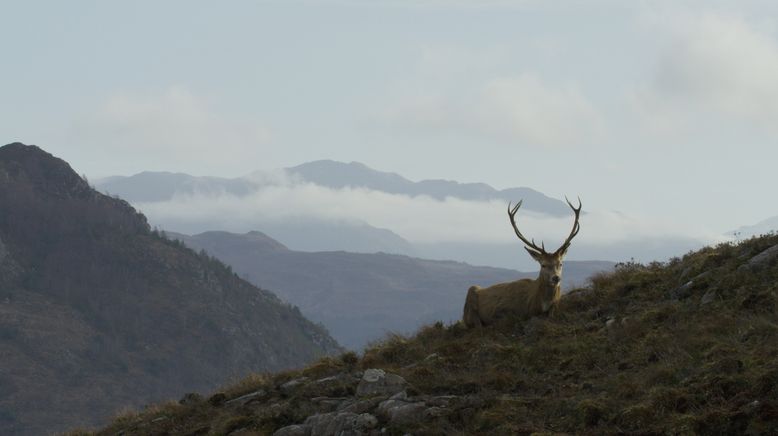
(535, 255)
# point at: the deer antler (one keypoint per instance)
(576, 227)
(531, 244)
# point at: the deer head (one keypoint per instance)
(550, 263)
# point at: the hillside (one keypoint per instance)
(99, 313)
(361, 297)
(684, 347)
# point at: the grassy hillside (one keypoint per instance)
(686, 347)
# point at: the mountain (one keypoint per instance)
(685, 347)
(160, 194)
(339, 175)
(307, 233)
(98, 313)
(769, 225)
(360, 297)
(150, 186)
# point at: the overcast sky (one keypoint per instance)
(663, 110)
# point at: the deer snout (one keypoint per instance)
(555, 279)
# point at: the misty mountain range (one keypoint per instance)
(361, 297)
(160, 186)
(769, 225)
(155, 194)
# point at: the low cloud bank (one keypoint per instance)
(418, 219)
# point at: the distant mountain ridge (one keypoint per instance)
(98, 312)
(309, 233)
(766, 226)
(149, 186)
(361, 297)
(338, 175)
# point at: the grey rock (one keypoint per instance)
(683, 291)
(293, 430)
(373, 375)
(340, 423)
(337, 379)
(360, 406)
(701, 276)
(764, 258)
(401, 412)
(245, 399)
(365, 421)
(402, 395)
(329, 403)
(293, 384)
(377, 382)
(437, 412)
(708, 297)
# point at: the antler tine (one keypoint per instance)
(576, 225)
(531, 244)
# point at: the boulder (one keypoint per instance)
(291, 385)
(329, 403)
(682, 292)
(376, 382)
(401, 412)
(762, 259)
(245, 399)
(360, 406)
(340, 423)
(709, 297)
(293, 430)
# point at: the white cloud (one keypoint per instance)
(417, 219)
(522, 108)
(525, 108)
(170, 126)
(714, 65)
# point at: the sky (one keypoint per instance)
(664, 111)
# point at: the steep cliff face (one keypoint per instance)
(99, 313)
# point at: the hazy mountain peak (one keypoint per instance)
(763, 227)
(41, 171)
(338, 175)
(221, 240)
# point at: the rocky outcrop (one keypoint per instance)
(377, 382)
(380, 399)
(762, 259)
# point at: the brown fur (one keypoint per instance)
(525, 298)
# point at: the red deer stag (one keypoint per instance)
(526, 297)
